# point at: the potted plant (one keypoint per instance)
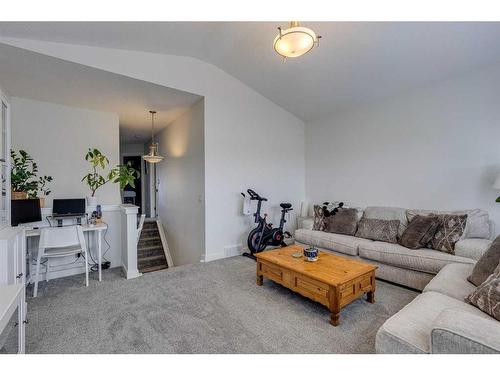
(125, 174)
(94, 179)
(122, 174)
(42, 187)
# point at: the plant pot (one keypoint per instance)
(91, 201)
(42, 202)
(19, 195)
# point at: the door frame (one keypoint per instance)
(4, 99)
(122, 155)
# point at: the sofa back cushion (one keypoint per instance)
(345, 221)
(419, 232)
(477, 226)
(486, 264)
(388, 213)
(378, 229)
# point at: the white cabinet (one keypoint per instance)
(12, 280)
(12, 256)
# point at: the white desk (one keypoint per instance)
(12, 297)
(97, 228)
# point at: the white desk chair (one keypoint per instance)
(60, 242)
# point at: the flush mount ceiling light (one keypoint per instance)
(295, 41)
(152, 156)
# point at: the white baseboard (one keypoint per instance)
(130, 274)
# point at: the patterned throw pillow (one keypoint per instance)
(319, 218)
(486, 297)
(450, 230)
(345, 221)
(486, 265)
(378, 229)
(419, 232)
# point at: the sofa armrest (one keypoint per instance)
(305, 222)
(461, 332)
(472, 248)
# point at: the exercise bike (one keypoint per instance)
(264, 234)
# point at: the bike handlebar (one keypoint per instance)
(255, 196)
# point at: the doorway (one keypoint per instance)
(133, 195)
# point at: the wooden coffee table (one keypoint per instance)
(333, 281)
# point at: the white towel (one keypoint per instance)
(247, 206)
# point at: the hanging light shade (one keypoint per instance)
(295, 41)
(153, 156)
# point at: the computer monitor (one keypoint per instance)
(68, 207)
(25, 211)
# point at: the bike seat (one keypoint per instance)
(286, 206)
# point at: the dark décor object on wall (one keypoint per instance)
(450, 230)
(25, 182)
(330, 212)
(487, 295)
(345, 221)
(378, 230)
(486, 265)
(419, 232)
(319, 218)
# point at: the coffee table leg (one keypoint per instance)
(335, 319)
(259, 280)
(334, 306)
(370, 296)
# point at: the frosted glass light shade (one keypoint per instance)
(152, 156)
(294, 41)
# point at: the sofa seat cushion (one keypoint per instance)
(452, 281)
(331, 241)
(409, 330)
(424, 260)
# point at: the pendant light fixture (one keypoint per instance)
(153, 156)
(295, 41)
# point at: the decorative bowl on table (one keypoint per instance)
(311, 254)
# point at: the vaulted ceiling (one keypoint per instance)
(356, 63)
(35, 76)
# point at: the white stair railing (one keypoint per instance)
(163, 237)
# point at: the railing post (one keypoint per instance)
(129, 240)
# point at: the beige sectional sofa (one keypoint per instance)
(438, 320)
(398, 264)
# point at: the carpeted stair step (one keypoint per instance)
(148, 242)
(154, 268)
(151, 251)
(152, 261)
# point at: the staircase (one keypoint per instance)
(150, 253)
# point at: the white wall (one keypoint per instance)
(131, 149)
(58, 137)
(181, 188)
(249, 141)
(434, 148)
